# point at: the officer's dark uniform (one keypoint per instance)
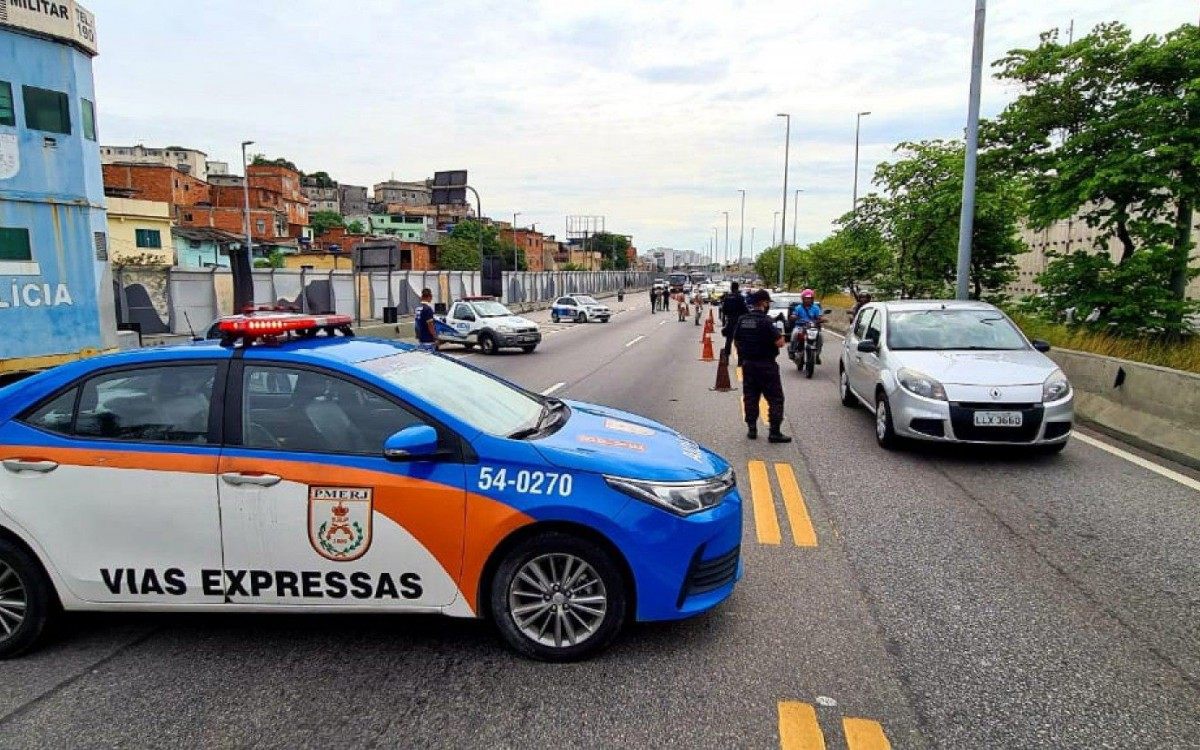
(757, 346)
(733, 307)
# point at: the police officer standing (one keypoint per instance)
(733, 307)
(758, 344)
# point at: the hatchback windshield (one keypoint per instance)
(952, 329)
(485, 403)
(491, 310)
(585, 300)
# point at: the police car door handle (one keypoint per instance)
(237, 479)
(17, 465)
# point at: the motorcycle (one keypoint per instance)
(806, 338)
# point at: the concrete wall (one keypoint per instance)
(1154, 407)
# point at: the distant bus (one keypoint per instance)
(698, 277)
(675, 281)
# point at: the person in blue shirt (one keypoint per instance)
(424, 323)
(808, 310)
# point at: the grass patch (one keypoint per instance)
(1180, 355)
(838, 300)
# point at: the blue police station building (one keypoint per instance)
(56, 294)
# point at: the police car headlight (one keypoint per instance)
(683, 498)
(505, 329)
(921, 384)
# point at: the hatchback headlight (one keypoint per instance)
(1056, 387)
(921, 384)
(505, 329)
(683, 498)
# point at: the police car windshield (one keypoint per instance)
(483, 402)
(491, 309)
(586, 300)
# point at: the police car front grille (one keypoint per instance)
(526, 330)
(709, 575)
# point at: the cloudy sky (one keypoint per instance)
(652, 115)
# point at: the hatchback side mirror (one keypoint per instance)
(1041, 346)
(414, 442)
(868, 347)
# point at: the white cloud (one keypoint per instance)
(650, 114)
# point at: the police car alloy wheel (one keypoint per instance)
(24, 600)
(487, 343)
(558, 597)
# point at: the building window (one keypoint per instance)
(187, 217)
(150, 238)
(8, 113)
(89, 120)
(14, 244)
(46, 110)
(261, 225)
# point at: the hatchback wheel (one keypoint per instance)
(885, 432)
(557, 597)
(848, 398)
(25, 600)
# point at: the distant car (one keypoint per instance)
(282, 470)
(580, 308)
(781, 307)
(954, 372)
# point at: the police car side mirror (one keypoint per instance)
(415, 442)
(868, 347)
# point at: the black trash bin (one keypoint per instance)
(390, 314)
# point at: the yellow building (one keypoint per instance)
(139, 232)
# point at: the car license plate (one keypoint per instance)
(999, 419)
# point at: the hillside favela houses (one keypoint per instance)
(173, 206)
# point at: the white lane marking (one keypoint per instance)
(834, 333)
(631, 343)
(662, 322)
(1175, 476)
(552, 389)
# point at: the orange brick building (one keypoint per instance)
(157, 182)
(530, 245)
(284, 183)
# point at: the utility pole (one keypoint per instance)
(966, 220)
(796, 213)
(774, 223)
(516, 250)
(742, 227)
(787, 142)
(857, 128)
(726, 254)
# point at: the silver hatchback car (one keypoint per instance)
(952, 371)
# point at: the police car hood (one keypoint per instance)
(609, 441)
(515, 321)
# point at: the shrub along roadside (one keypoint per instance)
(1178, 355)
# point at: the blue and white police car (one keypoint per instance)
(580, 308)
(290, 467)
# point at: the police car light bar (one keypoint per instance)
(273, 324)
(479, 298)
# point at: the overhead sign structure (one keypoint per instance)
(449, 188)
(60, 19)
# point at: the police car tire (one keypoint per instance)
(553, 317)
(555, 543)
(582, 318)
(39, 600)
(487, 343)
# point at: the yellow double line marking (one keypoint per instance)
(766, 520)
(799, 730)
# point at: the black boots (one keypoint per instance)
(752, 430)
(775, 436)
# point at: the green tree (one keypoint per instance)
(613, 248)
(844, 260)
(461, 250)
(320, 179)
(1108, 129)
(571, 267)
(767, 266)
(323, 221)
(458, 254)
(356, 227)
(261, 159)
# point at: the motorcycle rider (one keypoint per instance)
(807, 311)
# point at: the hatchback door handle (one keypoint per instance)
(237, 479)
(17, 465)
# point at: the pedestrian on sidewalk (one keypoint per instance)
(758, 344)
(424, 323)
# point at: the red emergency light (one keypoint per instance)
(479, 298)
(272, 324)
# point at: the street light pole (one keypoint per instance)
(787, 142)
(857, 128)
(774, 223)
(742, 228)
(726, 254)
(966, 220)
(716, 245)
(246, 197)
(514, 234)
(752, 245)
(796, 213)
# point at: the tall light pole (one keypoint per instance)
(787, 142)
(795, 212)
(857, 127)
(716, 244)
(774, 223)
(516, 250)
(966, 220)
(246, 199)
(742, 227)
(752, 245)
(726, 254)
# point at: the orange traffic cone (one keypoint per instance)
(708, 324)
(723, 383)
(706, 349)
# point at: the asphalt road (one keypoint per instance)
(935, 598)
